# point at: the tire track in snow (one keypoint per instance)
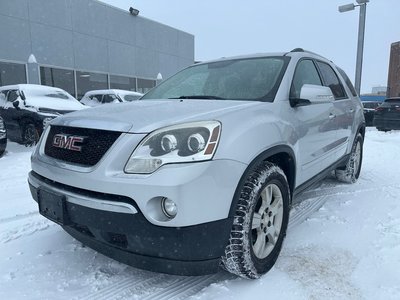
(155, 286)
(18, 217)
(20, 230)
(122, 286)
(305, 209)
(182, 289)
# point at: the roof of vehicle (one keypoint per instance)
(29, 87)
(297, 52)
(111, 91)
(392, 99)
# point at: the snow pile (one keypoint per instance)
(343, 242)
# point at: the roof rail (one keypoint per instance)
(302, 50)
(298, 50)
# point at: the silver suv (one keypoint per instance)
(202, 171)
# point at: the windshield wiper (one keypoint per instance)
(198, 97)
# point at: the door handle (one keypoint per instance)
(332, 116)
(351, 110)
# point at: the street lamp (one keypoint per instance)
(361, 30)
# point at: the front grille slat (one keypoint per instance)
(96, 143)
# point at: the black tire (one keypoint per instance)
(351, 172)
(243, 255)
(30, 134)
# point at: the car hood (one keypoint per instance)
(148, 115)
(54, 104)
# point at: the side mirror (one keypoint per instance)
(316, 93)
(16, 104)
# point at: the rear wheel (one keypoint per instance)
(30, 135)
(351, 171)
(260, 222)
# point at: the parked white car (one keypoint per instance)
(98, 97)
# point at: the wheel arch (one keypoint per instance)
(281, 155)
(361, 130)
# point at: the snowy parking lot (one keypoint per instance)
(343, 242)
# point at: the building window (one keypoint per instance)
(122, 83)
(88, 81)
(11, 73)
(63, 79)
(144, 85)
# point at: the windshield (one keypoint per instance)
(238, 79)
(48, 93)
(130, 98)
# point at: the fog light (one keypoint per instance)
(169, 208)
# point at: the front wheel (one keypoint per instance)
(30, 135)
(260, 222)
(351, 171)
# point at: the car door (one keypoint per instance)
(11, 114)
(344, 108)
(314, 124)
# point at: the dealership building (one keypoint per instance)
(81, 45)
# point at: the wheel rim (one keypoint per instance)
(30, 134)
(267, 221)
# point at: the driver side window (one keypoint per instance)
(305, 73)
(12, 95)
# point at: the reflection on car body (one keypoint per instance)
(98, 97)
(28, 108)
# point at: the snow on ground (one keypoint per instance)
(343, 242)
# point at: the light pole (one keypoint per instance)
(361, 30)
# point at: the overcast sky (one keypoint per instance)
(233, 27)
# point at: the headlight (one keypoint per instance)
(188, 142)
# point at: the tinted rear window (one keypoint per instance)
(331, 80)
(348, 82)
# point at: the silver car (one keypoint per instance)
(202, 171)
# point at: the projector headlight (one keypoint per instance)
(188, 142)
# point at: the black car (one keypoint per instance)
(369, 110)
(387, 115)
(3, 137)
(27, 108)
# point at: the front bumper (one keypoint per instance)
(128, 237)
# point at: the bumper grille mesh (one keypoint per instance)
(95, 144)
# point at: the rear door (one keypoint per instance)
(10, 114)
(344, 109)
